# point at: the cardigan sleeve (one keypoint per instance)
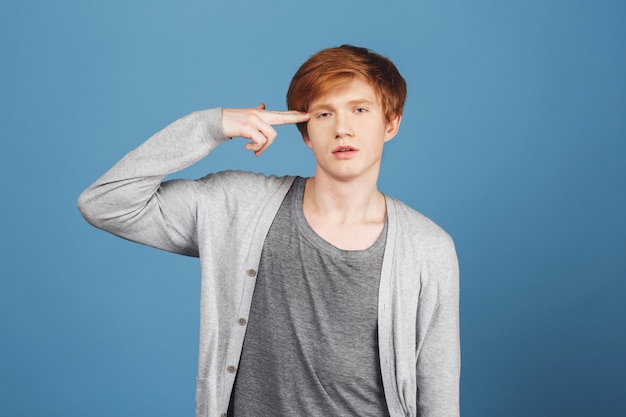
(438, 361)
(132, 201)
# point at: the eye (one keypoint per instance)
(323, 115)
(361, 110)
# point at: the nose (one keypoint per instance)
(342, 126)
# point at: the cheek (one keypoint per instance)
(313, 126)
(315, 131)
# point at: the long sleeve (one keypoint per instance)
(222, 218)
(438, 361)
(131, 201)
(419, 316)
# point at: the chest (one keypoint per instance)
(351, 237)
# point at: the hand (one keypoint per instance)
(256, 124)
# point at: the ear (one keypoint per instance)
(392, 127)
(306, 140)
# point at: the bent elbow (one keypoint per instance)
(87, 208)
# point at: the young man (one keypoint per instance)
(320, 296)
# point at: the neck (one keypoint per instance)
(353, 201)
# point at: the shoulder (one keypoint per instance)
(244, 179)
(420, 241)
(422, 251)
(412, 222)
(244, 184)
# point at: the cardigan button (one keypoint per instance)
(242, 321)
(231, 369)
(251, 272)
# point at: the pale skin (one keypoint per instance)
(346, 131)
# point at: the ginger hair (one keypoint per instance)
(329, 68)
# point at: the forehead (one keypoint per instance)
(349, 91)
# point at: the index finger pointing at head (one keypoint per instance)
(286, 117)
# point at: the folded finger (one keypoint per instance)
(270, 134)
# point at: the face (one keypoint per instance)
(347, 131)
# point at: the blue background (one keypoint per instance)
(513, 140)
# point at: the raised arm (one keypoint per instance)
(130, 200)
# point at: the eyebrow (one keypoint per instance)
(350, 103)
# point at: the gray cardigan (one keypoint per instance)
(223, 219)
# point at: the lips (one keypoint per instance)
(341, 149)
(344, 152)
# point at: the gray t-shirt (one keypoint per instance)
(311, 346)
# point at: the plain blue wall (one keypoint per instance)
(513, 139)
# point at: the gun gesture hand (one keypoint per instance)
(256, 124)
